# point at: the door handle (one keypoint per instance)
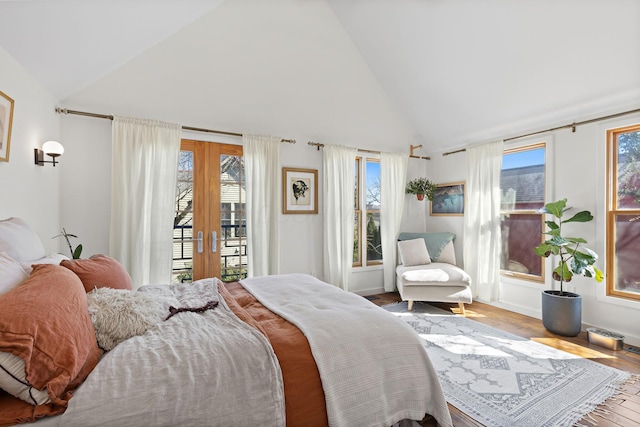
(214, 242)
(199, 240)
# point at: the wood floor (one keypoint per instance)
(624, 410)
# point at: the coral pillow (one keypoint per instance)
(100, 271)
(45, 322)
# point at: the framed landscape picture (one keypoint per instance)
(299, 191)
(6, 118)
(448, 199)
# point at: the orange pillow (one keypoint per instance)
(99, 271)
(45, 322)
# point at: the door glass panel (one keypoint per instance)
(183, 221)
(232, 241)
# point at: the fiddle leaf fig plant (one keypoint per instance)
(574, 257)
(75, 253)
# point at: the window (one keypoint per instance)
(522, 182)
(623, 212)
(367, 213)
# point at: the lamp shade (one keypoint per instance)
(53, 148)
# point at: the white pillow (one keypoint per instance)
(119, 314)
(13, 380)
(413, 252)
(49, 259)
(19, 241)
(11, 273)
(448, 254)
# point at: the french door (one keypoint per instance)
(209, 231)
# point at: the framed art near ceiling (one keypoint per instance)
(448, 199)
(6, 117)
(299, 191)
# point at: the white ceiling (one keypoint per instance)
(461, 71)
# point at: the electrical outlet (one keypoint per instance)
(313, 273)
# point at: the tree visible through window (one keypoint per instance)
(623, 212)
(367, 220)
(522, 182)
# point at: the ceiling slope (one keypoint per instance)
(444, 73)
(465, 71)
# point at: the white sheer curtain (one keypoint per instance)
(338, 189)
(393, 174)
(143, 187)
(482, 241)
(263, 194)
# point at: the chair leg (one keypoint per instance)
(461, 305)
(410, 307)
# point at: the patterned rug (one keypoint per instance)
(501, 379)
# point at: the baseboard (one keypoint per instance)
(515, 308)
(628, 339)
(371, 291)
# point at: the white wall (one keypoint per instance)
(576, 170)
(295, 74)
(27, 190)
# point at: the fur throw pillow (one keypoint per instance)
(119, 314)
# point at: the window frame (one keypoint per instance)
(612, 210)
(361, 212)
(543, 270)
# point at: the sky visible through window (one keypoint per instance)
(523, 158)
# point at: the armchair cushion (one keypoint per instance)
(434, 274)
(413, 252)
(436, 242)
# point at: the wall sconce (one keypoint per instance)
(52, 149)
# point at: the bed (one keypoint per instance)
(269, 351)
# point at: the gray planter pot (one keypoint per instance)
(562, 314)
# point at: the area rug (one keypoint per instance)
(501, 379)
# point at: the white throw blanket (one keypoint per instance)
(373, 366)
(195, 369)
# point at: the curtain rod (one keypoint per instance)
(319, 145)
(61, 110)
(571, 126)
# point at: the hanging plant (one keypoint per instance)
(421, 187)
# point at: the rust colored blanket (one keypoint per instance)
(304, 397)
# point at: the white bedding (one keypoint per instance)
(184, 372)
(211, 369)
(373, 367)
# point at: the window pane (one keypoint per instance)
(522, 179)
(183, 221)
(520, 234)
(373, 185)
(627, 248)
(356, 190)
(628, 170)
(232, 243)
(374, 243)
(356, 239)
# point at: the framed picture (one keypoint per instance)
(448, 199)
(299, 191)
(6, 117)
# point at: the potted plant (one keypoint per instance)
(562, 310)
(75, 253)
(421, 187)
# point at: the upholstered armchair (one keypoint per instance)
(427, 270)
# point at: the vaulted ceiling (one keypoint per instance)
(459, 71)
